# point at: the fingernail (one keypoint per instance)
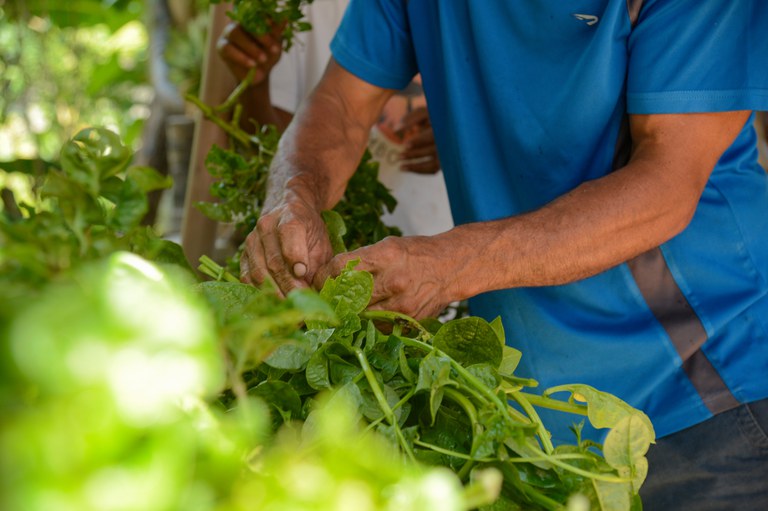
(299, 269)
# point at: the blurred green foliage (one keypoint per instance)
(68, 64)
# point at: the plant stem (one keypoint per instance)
(234, 97)
(211, 268)
(394, 317)
(449, 452)
(382, 400)
(554, 404)
(234, 132)
(546, 441)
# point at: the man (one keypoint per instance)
(601, 164)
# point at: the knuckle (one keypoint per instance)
(265, 224)
(275, 263)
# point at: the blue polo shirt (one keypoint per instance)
(528, 99)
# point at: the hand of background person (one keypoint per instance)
(411, 275)
(420, 153)
(288, 245)
(243, 51)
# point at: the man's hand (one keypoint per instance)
(412, 275)
(243, 51)
(289, 244)
(317, 155)
(420, 154)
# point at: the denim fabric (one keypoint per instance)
(718, 465)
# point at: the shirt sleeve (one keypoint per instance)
(692, 56)
(374, 43)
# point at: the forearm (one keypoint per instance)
(587, 231)
(258, 109)
(607, 221)
(322, 146)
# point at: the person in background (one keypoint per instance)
(402, 141)
(602, 169)
(761, 125)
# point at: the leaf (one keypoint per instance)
(405, 369)
(281, 397)
(385, 357)
(485, 374)
(295, 354)
(160, 250)
(612, 496)
(148, 179)
(450, 430)
(312, 306)
(434, 375)
(318, 375)
(130, 207)
(371, 408)
(336, 230)
(92, 155)
(227, 299)
(495, 432)
(469, 341)
(625, 448)
(509, 360)
(604, 410)
(498, 327)
(348, 294)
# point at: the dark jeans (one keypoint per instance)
(718, 465)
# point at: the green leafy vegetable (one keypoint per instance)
(260, 16)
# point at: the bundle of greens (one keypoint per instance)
(445, 394)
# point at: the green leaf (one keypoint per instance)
(498, 327)
(625, 448)
(159, 250)
(405, 369)
(450, 430)
(318, 374)
(469, 341)
(348, 294)
(509, 360)
(612, 496)
(92, 155)
(228, 299)
(130, 207)
(385, 357)
(295, 355)
(434, 375)
(148, 179)
(312, 305)
(336, 230)
(485, 374)
(371, 408)
(280, 397)
(495, 432)
(604, 410)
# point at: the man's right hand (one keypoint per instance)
(243, 51)
(289, 244)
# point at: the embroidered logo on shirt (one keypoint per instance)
(591, 19)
